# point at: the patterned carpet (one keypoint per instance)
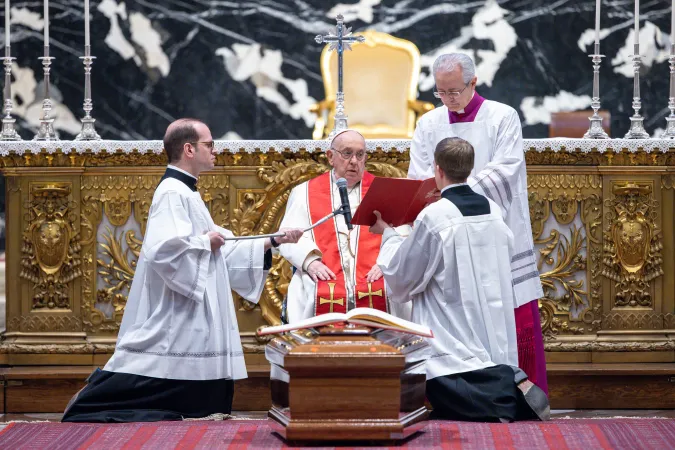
(586, 434)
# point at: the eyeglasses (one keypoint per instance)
(439, 94)
(347, 155)
(209, 144)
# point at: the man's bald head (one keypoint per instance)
(349, 136)
(179, 133)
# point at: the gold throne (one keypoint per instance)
(380, 87)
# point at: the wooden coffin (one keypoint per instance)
(348, 383)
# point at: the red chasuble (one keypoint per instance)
(331, 296)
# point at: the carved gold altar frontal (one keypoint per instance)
(602, 221)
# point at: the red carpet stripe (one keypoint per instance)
(600, 437)
(92, 439)
(480, 436)
(553, 436)
(140, 437)
(244, 436)
(526, 435)
(451, 438)
(501, 435)
(191, 439)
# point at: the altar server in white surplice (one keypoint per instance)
(335, 268)
(178, 348)
(495, 132)
(454, 268)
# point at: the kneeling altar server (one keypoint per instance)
(178, 350)
(455, 269)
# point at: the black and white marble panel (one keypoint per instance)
(250, 69)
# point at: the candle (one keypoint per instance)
(597, 21)
(46, 23)
(7, 23)
(86, 22)
(637, 22)
(672, 23)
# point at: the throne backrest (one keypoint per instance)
(380, 81)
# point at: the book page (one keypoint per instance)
(386, 320)
(361, 316)
(311, 322)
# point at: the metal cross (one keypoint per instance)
(340, 41)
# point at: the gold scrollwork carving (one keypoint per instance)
(118, 272)
(116, 183)
(51, 246)
(595, 346)
(551, 324)
(567, 251)
(669, 321)
(135, 159)
(633, 243)
(566, 264)
(591, 217)
(608, 158)
(540, 210)
(549, 158)
(388, 167)
(42, 323)
(635, 320)
(281, 176)
(117, 210)
(214, 192)
(120, 198)
(668, 181)
(56, 349)
(565, 207)
(245, 218)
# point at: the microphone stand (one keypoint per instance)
(338, 211)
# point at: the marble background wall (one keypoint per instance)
(250, 69)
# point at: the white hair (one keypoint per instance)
(342, 132)
(450, 62)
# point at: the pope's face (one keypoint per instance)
(348, 157)
(449, 84)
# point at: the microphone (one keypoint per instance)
(344, 198)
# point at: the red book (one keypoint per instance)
(399, 200)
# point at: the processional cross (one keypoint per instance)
(339, 41)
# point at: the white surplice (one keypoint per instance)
(499, 173)
(180, 321)
(454, 270)
(302, 289)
